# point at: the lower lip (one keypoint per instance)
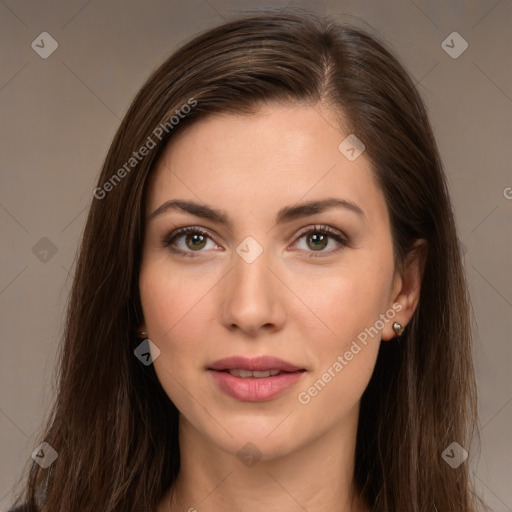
(254, 389)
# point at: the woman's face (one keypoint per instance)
(259, 275)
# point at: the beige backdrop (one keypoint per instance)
(59, 114)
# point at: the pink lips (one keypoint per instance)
(254, 389)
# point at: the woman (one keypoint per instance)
(269, 308)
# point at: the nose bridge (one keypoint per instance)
(251, 298)
(251, 273)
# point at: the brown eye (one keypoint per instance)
(314, 240)
(317, 241)
(195, 241)
(189, 240)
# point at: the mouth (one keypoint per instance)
(254, 379)
(256, 374)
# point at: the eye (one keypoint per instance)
(188, 240)
(317, 238)
(192, 239)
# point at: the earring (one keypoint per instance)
(142, 334)
(398, 328)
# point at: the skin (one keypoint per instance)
(305, 310)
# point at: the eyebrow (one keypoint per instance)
(286, 214)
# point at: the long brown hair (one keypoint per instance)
(112, 424)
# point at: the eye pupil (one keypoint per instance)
(198, 241)
(315, 237)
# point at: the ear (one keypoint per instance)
(407, 287)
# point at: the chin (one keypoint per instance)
(258, 438)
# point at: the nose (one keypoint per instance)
(252, 297)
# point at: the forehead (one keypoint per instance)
(279, 155)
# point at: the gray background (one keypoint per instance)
(59, 115)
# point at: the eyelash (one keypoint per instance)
(318, 229)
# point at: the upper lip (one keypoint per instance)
(260, 363)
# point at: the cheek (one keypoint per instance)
(344, 358)
(172, 302)
(346, 301)
(349, 303)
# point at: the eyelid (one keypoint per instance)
(322, 228)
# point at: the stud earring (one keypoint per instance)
(398, 328)
(142, 334)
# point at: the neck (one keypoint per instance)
(317, 476)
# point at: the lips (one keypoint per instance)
(254, 379)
